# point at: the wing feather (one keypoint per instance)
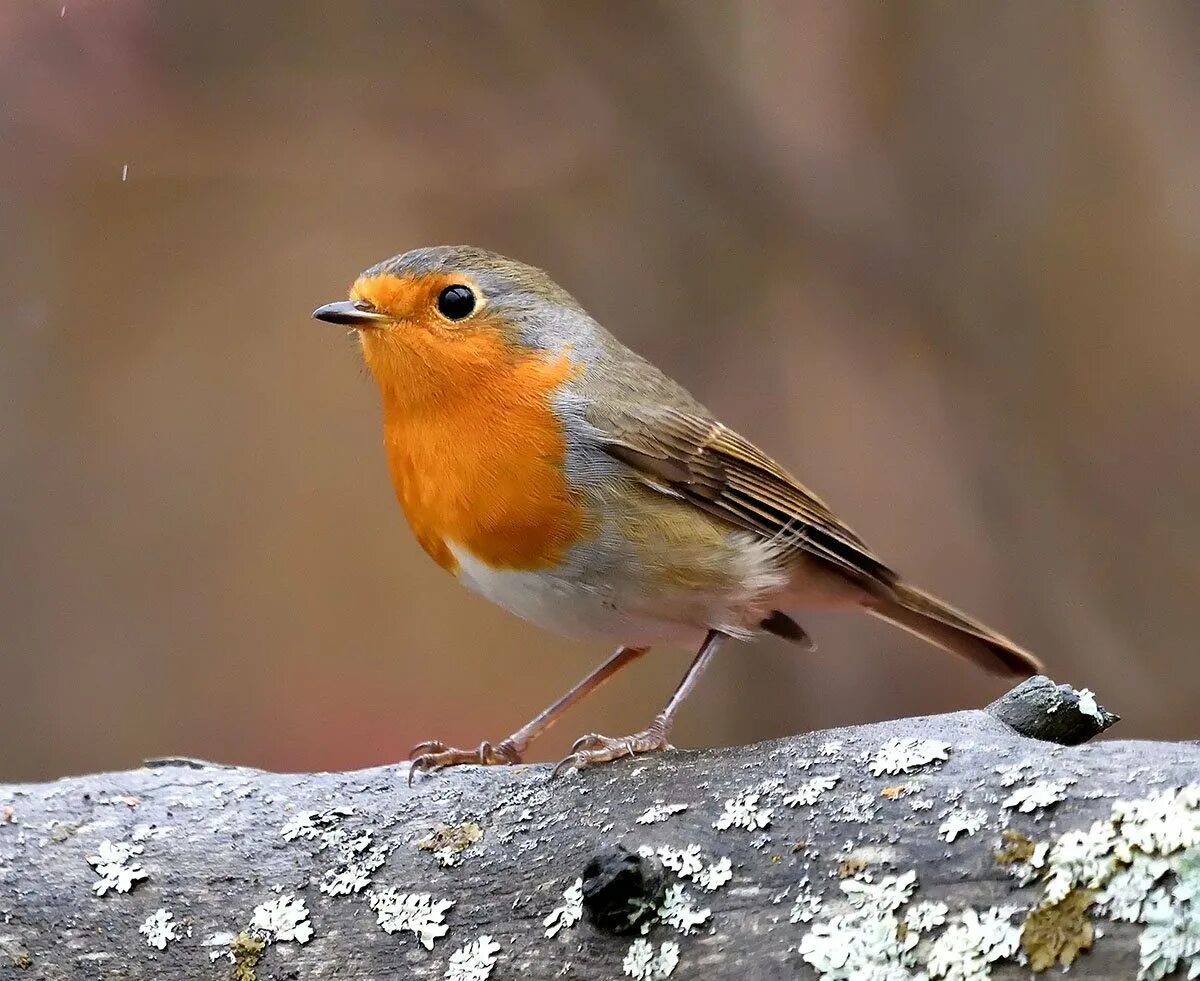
(724, 474)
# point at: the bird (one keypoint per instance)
(560, 475)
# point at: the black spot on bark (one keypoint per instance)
(621, 888)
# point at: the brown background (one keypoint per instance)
(941, 259)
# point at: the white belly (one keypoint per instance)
(616, 605)
(565, 606)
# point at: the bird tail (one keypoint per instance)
(942, 625)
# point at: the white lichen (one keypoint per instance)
(220, 940)
(1161, 823)
(807, 904)
(1088, 705)
(1080, 858)
(569, 913)
(311, 825)
(864, 945)
(1010, 776)
(352, 878)
(926, 916)
(643, 964)
(743, 811)
(961, 821)
(148, 832)
(284, 918)
(659, 813)
(474, 962)
(448, 858)
(418, 913)
(359, 860)
(684, 862)
(677, 910)
(1187, 876)
(860, 809)
(875, 941)
(811, 791)
(1125, 896)
(715, 875)
(906, 755)
(159, 929)
(968, 947)
(302, 824)
(112, 864)
(1171, 936)
(1141, 866)
(1037, 796)
(887, 895)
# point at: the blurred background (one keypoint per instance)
(940, 259)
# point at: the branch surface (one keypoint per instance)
(845, 840)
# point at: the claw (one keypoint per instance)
(592, 749)
(421, 764)
(564, 764)
(433, 755)
(590, 741)
(429, 746)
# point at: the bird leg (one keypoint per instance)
(434, 755)
(591, 749)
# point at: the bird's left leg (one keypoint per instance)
(435, 755)
(594, 748)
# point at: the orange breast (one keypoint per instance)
(479, 463)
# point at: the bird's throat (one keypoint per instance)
(477, 455)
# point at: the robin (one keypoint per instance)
(565, 478)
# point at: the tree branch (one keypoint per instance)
(231, 868)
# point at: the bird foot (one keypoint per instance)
(434, 755)
(593, 749)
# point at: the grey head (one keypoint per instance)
(546, 317)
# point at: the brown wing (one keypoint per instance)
(714, 468)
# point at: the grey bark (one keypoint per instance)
(213, 850)
(1040, 709)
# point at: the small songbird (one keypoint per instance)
(556, 472)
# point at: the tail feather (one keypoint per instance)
(942, 625)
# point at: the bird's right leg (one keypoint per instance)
(591, 749)
(433, 755)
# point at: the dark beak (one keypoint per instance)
(349, 314)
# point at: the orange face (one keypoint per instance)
(418, 353)
(414, 299)
(475, 449)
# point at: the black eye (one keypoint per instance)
(456, 302)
